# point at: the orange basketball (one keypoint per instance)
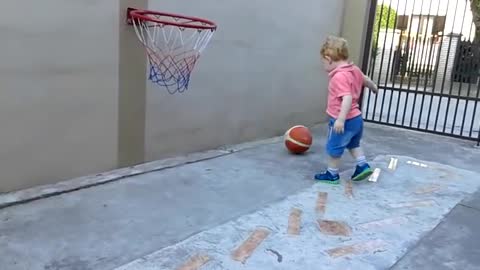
(298, 139)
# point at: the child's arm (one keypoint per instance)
(346, 105)
(339, 124)
(370, 84)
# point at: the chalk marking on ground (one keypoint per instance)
(195, 262)
(429, 189)
(321, 202)
(376, 224)
(246, 249)
(412, 204)
(373, 246)
(349, 189)
(294, 221)
(331, 227)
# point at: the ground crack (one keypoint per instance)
(279, 256)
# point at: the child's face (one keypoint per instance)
(328, 64)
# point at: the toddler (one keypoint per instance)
(346, 123)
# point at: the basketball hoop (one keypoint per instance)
(173, 44)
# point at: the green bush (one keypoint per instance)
(388, 16)
(476, 18)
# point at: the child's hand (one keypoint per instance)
(339, 126)
(374, 88)
(370, 84)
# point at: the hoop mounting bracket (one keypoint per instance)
(129, 16)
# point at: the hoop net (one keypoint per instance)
(173, 44)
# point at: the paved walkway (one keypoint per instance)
(453, 244)
(176, 213)
(354, 226)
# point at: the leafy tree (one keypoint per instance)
(385, 16)
(475, 6)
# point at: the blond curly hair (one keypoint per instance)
(336, 48)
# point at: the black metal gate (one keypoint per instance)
(422, 56)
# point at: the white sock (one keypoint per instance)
(333, 171)
(362, 160)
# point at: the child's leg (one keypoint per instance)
(362, 170)
(333, 165)
(336, 144)
(331, 175)
(358, 155)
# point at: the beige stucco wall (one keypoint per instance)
(131, 90)
(260, 75)
(74, 99)
(58, 90)
(355, 19)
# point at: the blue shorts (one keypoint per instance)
(350, 139)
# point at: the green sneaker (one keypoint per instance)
(328, 178)
(362, 172)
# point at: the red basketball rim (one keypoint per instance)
(191, 22)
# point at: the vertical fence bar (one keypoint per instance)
(424, 35)
(366, 67)
(407, 55)
(410, 68)
(478, 139)
(389, 67)
(446, 65)
(457, 51)
(478, 132)
(459, 71)
(477, 99)
(461, 66)
(470, 68)
(399, 50)
(476, 48)
(407, 47)
(437, 69)
(374, 57)
(383, 57)
(432, 46)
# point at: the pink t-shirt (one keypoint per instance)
(344, 80)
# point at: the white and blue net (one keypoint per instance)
(172, 51)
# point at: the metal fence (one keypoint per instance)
(421, 55)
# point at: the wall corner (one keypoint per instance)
(355, 24)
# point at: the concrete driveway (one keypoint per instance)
(235, 211)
